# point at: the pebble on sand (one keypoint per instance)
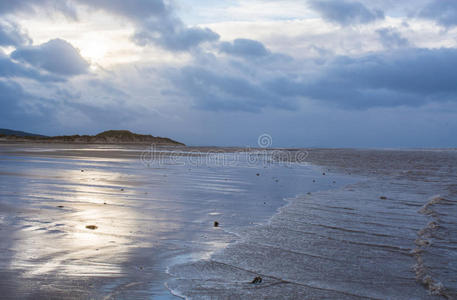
(257, 280)
(91, 227)
(258, 174)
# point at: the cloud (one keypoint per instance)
(11, 35)
(155, 20)
(11, 69)
(345, 12)
(21, 109)
(409, 77)
(443, 12)
(391, 38)
(24, 106)
(10, 94)
(404, 77)
(215, 91)
(156, 23)
(133, 9)
(7, 6)
(32, 6)
(175, 38)
(244, 48)
(56, 56)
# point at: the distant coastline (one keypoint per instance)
(106, 137)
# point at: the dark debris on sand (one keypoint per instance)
(257, 280)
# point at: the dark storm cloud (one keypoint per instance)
(20, 109)
(215, 91)
(345, 12)
(409, 77)
(176, 38)
(11, 35)
(244, 47)
(390, 38)
(56, 56)
(11, 69)
(10, 95)
(444, 12)
(422, 71)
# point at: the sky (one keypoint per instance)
(310, 73)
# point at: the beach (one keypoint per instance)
(130, 221)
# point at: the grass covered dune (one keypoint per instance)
(106, 137)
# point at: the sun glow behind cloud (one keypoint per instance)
(101, 39)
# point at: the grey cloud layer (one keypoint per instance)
(56, 56)
(409, 77)
(11, 69)
(444, 12)
(244, 47)
(391, 38)
(345, 12)
(10, 95)
(175, 38)
(19, 108)
(31, 6)
(11, 35)
(216, 91)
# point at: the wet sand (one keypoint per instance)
(373, 225)
(147, 217)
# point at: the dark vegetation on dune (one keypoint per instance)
(9, 132)
(106, 137)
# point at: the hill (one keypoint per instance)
(106, 137)
(17, 133)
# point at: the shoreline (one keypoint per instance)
(420, 282)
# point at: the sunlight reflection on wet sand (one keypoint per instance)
(144, 219)
(56, 239)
